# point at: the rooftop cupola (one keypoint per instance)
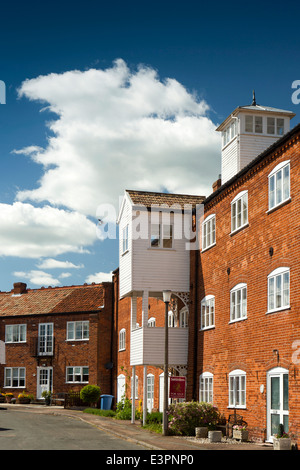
(247, 132)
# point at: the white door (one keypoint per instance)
(44, 380)
(150, 392)
(277, 401)
(120, 387)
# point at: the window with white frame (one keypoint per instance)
(15, 333)
(122, 337)
(237, 389)
(279, 184)
(209, 232)
(151, 322)
(161, 235)
(125, 238)
(254, 124)
(239, 211)
(206, 387)
(14, 377)
(275, 126)
(184, 317)
(208, 312)
(229, 133)
(77, 330)
(77, 374)
(171, 319)
(279, 289)
(238, 302)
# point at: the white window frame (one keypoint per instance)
(78, 330)
(184, 317)
(278, 283)
(229, 133)
(16, 374)
(206, 387)
(276, 125)
(238, 303)
(77, 371)
(208, 312)
(125, 243)
(209, 232)
(171, 319)
(162, 239)
(151, 322)
(237, 207)
(237, 389)
(256, 122)
(122, 339)
(14, 333)
(279, 185)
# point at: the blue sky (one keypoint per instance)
(214, 53)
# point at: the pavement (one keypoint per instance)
(135, 433)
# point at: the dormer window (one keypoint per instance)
(229, 133)
(275, 126)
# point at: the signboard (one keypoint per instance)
(177, 387)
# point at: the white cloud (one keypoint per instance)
(64, 275)
(52, 263)
(119, 129)
(99, 277)
(35, 232)
(38, 278)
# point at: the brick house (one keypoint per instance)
(56, 339)
(242, 298)
(246, 281)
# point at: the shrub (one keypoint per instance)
(156, 417)
(123, 408)
(185, 417)
(90, 394)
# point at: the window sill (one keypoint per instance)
(158, 248)
(238, 407)
(208, 247)
(212, 327)
(237, 320)
(239, 229)
(281, 309)
(283, 203)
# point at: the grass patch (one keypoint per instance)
(98, 412)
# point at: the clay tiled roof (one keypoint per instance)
(52, 300)
(146, 198)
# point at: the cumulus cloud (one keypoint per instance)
(117, 129)
(99, 277)
(38, 278)
(52, 263)
(37, 232)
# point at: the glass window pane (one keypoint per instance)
(278, 187)
(249, 124)
(275, 421)
(270, 125)
(280, 126)
(275, 393)
(278, 291)
(286, 182)
(155, 235)
(271, 293)
(258, 124)
(285, 392)
(272, 191)
(167, 236)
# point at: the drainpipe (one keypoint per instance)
(195, 325)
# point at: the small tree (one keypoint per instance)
(90, 394)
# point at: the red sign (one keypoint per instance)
(177, 387)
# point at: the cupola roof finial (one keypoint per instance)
(253, 99)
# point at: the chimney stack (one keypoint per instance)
(217, 184)
(20, 288)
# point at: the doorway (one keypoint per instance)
(277, 401)
(44, 380)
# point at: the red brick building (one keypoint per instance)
(243, 286)
(56, 339)
(245, 303)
